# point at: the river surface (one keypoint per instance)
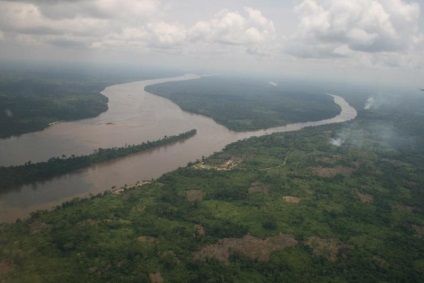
(134, 116)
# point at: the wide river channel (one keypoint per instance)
(134, 116)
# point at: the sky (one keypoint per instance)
(362, 40)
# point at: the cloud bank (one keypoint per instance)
(276, 35)
(336, 28)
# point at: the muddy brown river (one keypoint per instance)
(134, 116)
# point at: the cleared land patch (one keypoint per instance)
(291, 199)
(419, 230)
(252, 247)
(403, 208)
(5, 267)
(194, 195)
(147, 239)
(332, 171)
(365, 198)
(332, 249)
(156, 277)
(227, 165)
(257, 187)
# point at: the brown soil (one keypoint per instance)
(194, 195)
(252, 247)
(365, 198)
(147, 239)
(403, 208)
(332, 171)
(90, 221)
(156, 277)
(291, 199)
(227, 165)
(332, 249)
(5, 267)
(410, 183)
(330, 160)
(38, 227)
(419, 230)
(380, 261)
(257, 187)
(200, 229)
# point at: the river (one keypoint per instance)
(134, 116)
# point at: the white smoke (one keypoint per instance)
(8, 113)
(337, 141)
(341, 137)
(273, 84)
(370, 103)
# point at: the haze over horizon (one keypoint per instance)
(375, 41)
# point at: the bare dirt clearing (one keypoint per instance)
(227, 165)
(419, 230)
(156, 277)
(147, 239)
(332, 171)
(257, 187)
(291, 199)
(365, 198)
(332, 249)
(403, 208)
(194, 195)
(38, 227)
(5, 267)
(252, 247)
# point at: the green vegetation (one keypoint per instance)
(348, 213)
(32, 97)
(15, 176)
(244, 105)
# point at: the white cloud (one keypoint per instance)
(166, 35)
(331, 28)
(104, 9)
(354, 36)
(233, 28)
(130, 24)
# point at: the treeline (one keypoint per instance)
(16, 176)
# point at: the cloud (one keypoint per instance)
(334, 28)
(233, 28)
(132, 24)
(166, 35)
(103, 9)
(85, 24)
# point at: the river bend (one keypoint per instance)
(134, 116)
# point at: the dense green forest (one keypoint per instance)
(13, 177)
(244, 105)
(335, 203)
(33, 96)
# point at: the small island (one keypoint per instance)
(16, 176)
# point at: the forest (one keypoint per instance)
(335, 203)
(13, 177)
(247, 104)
